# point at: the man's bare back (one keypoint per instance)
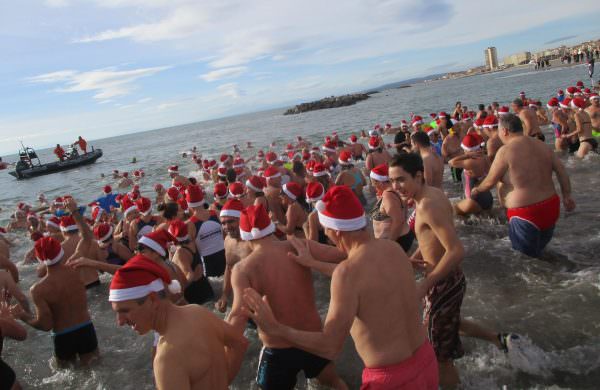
(434, 168)
(531, 126)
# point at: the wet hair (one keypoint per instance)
(481, 107)
(231, 175)
(192, 180)
(298, 168)
(518, 102)
(168, 210)
(161, 295)
(410, 162)
(421, 138)
(511, 122)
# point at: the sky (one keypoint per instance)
(100, 68)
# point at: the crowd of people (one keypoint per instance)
(265, 223)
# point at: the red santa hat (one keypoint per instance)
(594, 96)
(239, 163)
(417, 120)
(552, 103)
(179, 230)
(144, 205)
(504, 110)
(565, 103)
(490, 121)
(292, 190)
(314, 191)
(314, 150)
(289, 147)
(103, 232)
(223, 158)
(271, 157)
(472, 142)
(158, 187)
(579, 84)
(173, 169)
(571, 90)
(479, 123)
(220, 191)
(255, 223)
(68, 224)
(404, 124)
(442, 115)
(260, 155)
(237, 190)
(194, 196)
(127, 205)
(157, 240)
(521, 93)
(341, 210)
(107, 189)
(271, 173)
(373, 143)
(222, 171)
(329, 147)
(319, 170)
(232, 208)
(212, 163)
(430, 130)
(345, 158)
(173, 194)
(256, 183)
(380, 173)
(54, 222)
(578, 103)
(305, 156)
(139, 277)
(353, 139)
(560, 92)
(48, 250)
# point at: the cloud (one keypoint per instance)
(56, 3)
(565, 38)
(231, 90)
(225, 73)
(107, 83)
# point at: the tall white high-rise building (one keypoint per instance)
(491, 58)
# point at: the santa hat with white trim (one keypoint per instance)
(107, 189)
(292, 190)
(232, 208)
(157, 240)
(256, 183)
(271, 157)
(490, 121)
(173, 169)
(380, 173)
(53, 222)
(139, 277)
(353, 139)
(345, 158)
(504, 110)
(472, 142)
(271, 173)
(314, 191)
(179, 230)
(68, 224)
(103, 232)
(373, 143)
(144, 205)
(255, 223)
(237, 190)
(97, 212)
(48, 250)
(127, 205)
(594, 96)
(194, 196)
(341, 210)
(565, 103)
(578, 103)
(328, 147)
(319, 170)
(220, 191)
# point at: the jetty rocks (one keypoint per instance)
(329, 102)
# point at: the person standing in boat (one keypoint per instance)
(60, 152)
(82, 144)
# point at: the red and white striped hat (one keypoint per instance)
(139, 277)
(292, 190)
(256, 183)
(103, 232)
(48, 250)
(314, 191)
(380, 173)
(232, 208)
(194, 196)
(472, 142)
(255, 223)
(341, 210)
(179, 230)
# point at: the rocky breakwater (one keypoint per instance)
(329, 102)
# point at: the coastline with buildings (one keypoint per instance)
(556, 57)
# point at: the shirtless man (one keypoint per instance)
(531, 127)
(60, 302)
(357, 149)
(377, 154)
(125, 181)
(5, 262)
(295, 215)
(525, 169)
(208, 360)
(583, 129)
(235, 248)
(434, 166)
(440, 255)
(475, 166)
(594, 111)
(451, 149)
(289, 287)
(272, 193)
(395, 357)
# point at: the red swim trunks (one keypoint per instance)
(543, 215)
(418, 372)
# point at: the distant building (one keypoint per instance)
(491, 58)
(518, 59)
